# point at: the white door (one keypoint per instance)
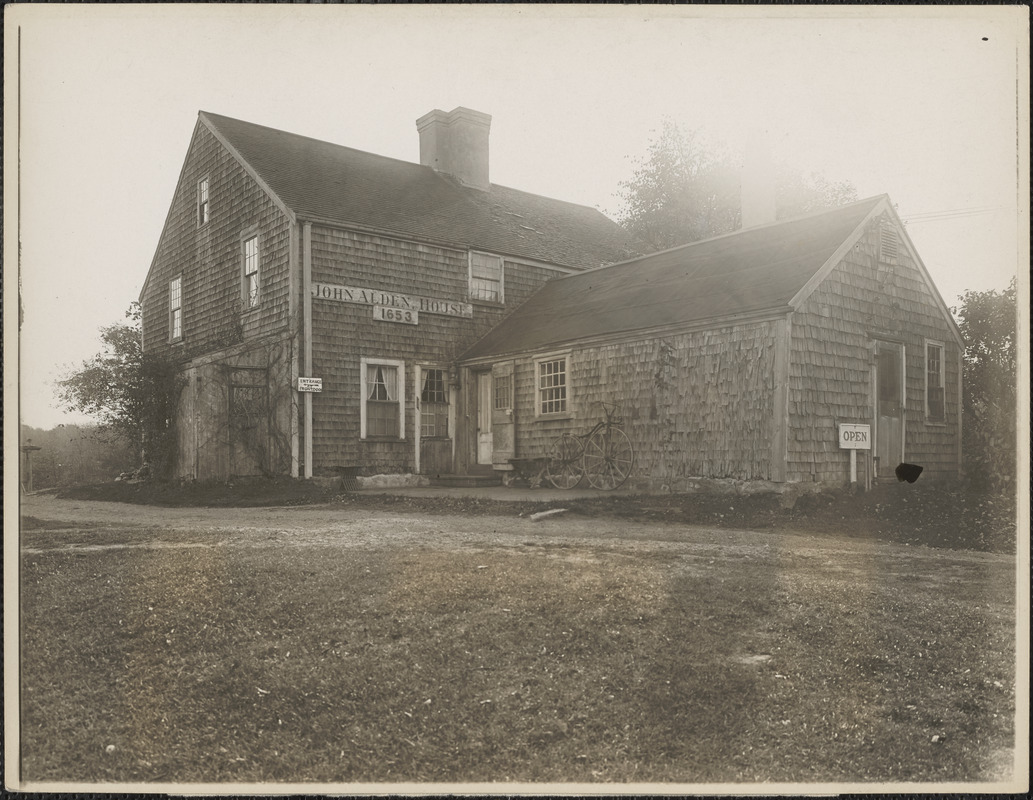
(484, 437)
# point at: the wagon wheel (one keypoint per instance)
(609, 458)
(564, 468)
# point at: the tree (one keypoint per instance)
(988, 325)
(684, 191)
(131, 393)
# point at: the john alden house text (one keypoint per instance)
(336, 311)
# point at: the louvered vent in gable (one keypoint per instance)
(889, 244)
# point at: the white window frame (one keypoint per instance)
(176, 282)
(245, 283)
(943, 380)
(204, 205)
(364, 392)
(568, 399)
(502, 277)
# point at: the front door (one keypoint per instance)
(484, 403)
(433, 431)
(889, 412)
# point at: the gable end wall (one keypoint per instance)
(831, 363)
(208, 258)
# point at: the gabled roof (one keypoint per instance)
(326, 182)
(760, 269)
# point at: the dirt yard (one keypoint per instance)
(339, 645)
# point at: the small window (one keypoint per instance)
(202, 202)
(383, 401)
(176, 308)
(503, 391)
(552, 386)
(934, 400)
(486, 277)
(249, 283)
(433, 404)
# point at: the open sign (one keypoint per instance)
(855, 437)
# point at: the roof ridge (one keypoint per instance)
(872, 200)
(209, 115)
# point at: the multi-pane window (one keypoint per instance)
(202, 201)
(249, 287)
(486, 277)
(382, 400)
(934, 410)
(433, 404)
(503, 392)
(176, 308)
(248, 405)
(552, 386)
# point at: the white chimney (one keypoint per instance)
(456, 143)
(757, 183)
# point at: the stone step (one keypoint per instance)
(466, 481)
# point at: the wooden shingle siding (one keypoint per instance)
(831, 363)
(208, 257)
(343, 333)
(695, 404)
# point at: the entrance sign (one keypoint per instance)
(404, 315)
(310, 384)
(855, 437)
(406, 302)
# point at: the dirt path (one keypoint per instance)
(58, 523)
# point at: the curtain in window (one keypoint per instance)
(381, 382)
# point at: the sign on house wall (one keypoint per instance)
(855, 437)
(405, 302)
(310, 384)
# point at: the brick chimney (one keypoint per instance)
(456, 143)
(757, 183)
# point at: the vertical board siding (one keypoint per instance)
(831, 363)
(343, 333)
(696, 404)
(203, 418)
(208, 257)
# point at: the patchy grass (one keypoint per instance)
(936, 515)
(546, 661)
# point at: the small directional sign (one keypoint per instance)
(310, 384)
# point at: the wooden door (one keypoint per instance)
(889, 412)
(433, 434)
(503, 427)
(484, 429)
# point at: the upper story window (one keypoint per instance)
(486, 274)
(382, 384)
(934, 394)
(202, 202)
(176, 308)
(552, 385)
(249, 288)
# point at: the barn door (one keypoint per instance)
(889, 411)
(503, 427)
(484, 429)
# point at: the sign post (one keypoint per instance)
(854, 437)
(310, 384)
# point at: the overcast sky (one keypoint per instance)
(920, 103)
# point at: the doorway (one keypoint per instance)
(889, 407)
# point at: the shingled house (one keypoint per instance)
(285, 259)
(740, 356)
